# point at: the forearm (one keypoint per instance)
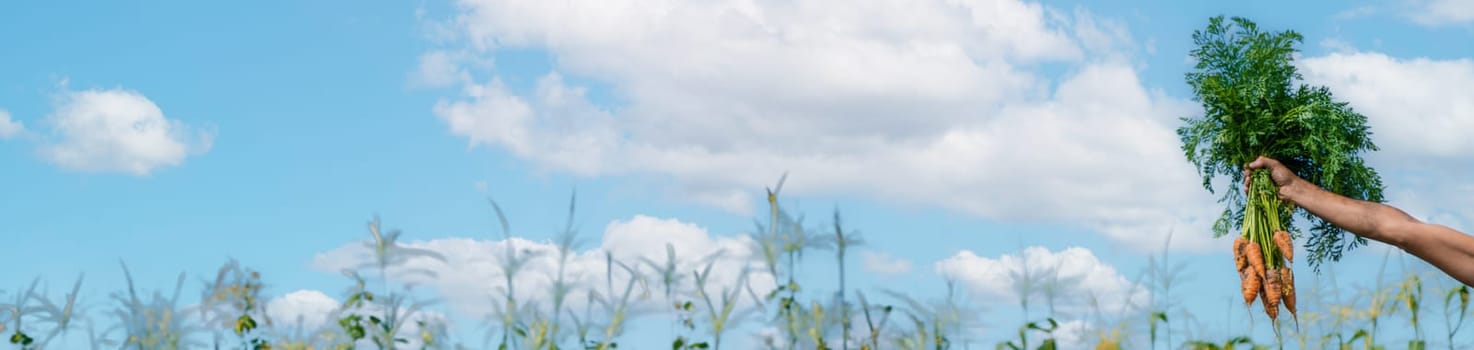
(1449, 250)
(1367, 219)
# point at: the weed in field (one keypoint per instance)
(617, 309)
(1410, 296)
(158, 322)
(17, 311)
(719, 313)
(842, 242)
(1163, 276)
(1453, 318)
(876, 317)
(233, 300)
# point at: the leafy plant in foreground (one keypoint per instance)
(1048, 326)
(233, 300)
(1454, 318)
(16, 312)
(1410, 294)
(381, 318)
(842, 242)
(511, 263)
(157, 323)
(1230, 344)
(719, 313)
(1163, 275)
(874, 323)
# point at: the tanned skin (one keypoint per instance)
(1449, 250)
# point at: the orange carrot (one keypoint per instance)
(1256, 257)
(1249, 282)
(1287, 278)
(1239, 261)
(1251, 287)
(1282, 241)
(1273, 290)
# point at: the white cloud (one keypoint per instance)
(883, 263)
(1337, 45)
(1441, 12)
(9, 127)
(1414, 106)
(446, 68)
(1073, 276)
(471, 276)
(311, 307)
(937, 102)
(1357, 12)
(438, 69)
(1074, 334)
(118, 130)
(559, 127)
(1420, 118)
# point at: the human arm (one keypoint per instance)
(1445, 248)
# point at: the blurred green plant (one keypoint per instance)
(708, 301)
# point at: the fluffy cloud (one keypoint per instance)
(446, 68)
(1075, 334)
(1420, 118)
(938, 102)
(884, 264)
(8, 127)
(118, 130)
(1441, 12)
(1415, 106)
(307, 308)
(1072, 276)
(471, 276)
(559, 127)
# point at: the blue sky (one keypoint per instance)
(175, 134)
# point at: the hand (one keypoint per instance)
(1282, 176)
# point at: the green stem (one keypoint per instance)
(1263, 216)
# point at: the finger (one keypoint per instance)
(1260, 162)
(1247, 179)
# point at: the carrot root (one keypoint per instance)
(1252, 285)
(1287, 277)
(1286, 248)
(1273, 291)
(1239, 260)
(1256, 257)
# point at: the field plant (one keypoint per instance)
(1163, 275)
(1453, 316)
(233, 300)
(383, 308)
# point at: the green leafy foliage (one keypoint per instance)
(1253, 105)
(20, 338)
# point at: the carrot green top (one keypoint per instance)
(1254, 104)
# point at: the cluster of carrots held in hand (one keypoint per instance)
(1274, 285)
(1264, 252)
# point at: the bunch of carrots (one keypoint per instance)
(1255, 104)
(1264, 251)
